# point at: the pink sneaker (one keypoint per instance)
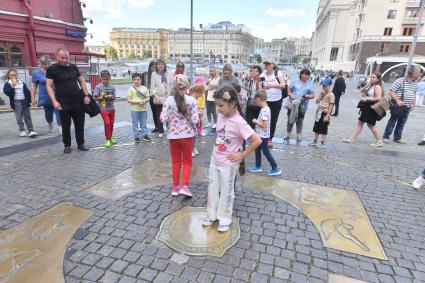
(175, 191)
(184, 190)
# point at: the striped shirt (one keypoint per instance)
(408, 89)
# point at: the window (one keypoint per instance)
(334, 54)
(408, 31)
(388, 31)
(385, 47)
(412, 13)
(391, 14)
(2, 57)
(405, 47)
(10, 55)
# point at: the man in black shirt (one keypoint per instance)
(68, 92)
(338, 90)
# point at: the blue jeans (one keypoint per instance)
(48, 114)
(138, 119)
(266, 151)
(398, 128)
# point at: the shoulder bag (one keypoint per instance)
(399, 111)
(381, 106)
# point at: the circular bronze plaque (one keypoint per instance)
(183, 232)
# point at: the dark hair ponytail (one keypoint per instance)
(180, 101)
(234, 97)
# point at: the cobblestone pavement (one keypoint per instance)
(278, 243)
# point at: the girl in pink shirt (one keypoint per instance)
(232, 130)
(181, 115)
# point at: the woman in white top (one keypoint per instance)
(161, 86)
(273, 86)
(212, 85)
(373, 93)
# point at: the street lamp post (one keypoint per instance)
(415, 37)
(191, 40)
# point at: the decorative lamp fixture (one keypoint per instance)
(90, 20)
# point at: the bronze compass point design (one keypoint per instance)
(183, 231)
(146, 174)
(334, 278)
(338, 214)
(33, 250)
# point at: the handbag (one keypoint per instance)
(92, 109)
(381, 106)
(399, 111)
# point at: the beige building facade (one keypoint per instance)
(95, 48)
(139, 41)
(222, 42)
(278, 50)
(350, 31)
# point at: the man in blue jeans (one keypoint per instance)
(403, 92)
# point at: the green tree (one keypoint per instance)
(258, 58)
(111, 53)
(147, 54)
(131, 55)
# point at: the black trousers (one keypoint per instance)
(153, 112)
(74, 111)
(158, 110)
(251, 113)
(337, 98)
(275, 107)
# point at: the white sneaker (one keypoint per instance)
(195, 151)
(23, 134)
(206, 221)
(418, 182)
(32, 134)
(160, 135)
(50, 127)
(213, 126)
(207, 125)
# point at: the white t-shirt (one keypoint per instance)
(19, 90)
(273, 94)
(264, 115)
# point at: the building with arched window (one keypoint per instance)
(29, 29)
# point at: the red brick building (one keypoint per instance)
(31, 28)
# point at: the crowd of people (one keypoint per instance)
(243, 112)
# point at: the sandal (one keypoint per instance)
(377, 144)
(348, 140)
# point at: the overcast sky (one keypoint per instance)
(267, 19)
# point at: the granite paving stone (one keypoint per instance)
(278, 243)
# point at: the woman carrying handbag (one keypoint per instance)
(372, 94)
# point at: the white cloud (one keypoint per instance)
(141, 3)
(268, 31)
(285, 13)
(113, 9)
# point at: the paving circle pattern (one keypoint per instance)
(183, 232)
(338, 214)
(33, 251)
(148, 173)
